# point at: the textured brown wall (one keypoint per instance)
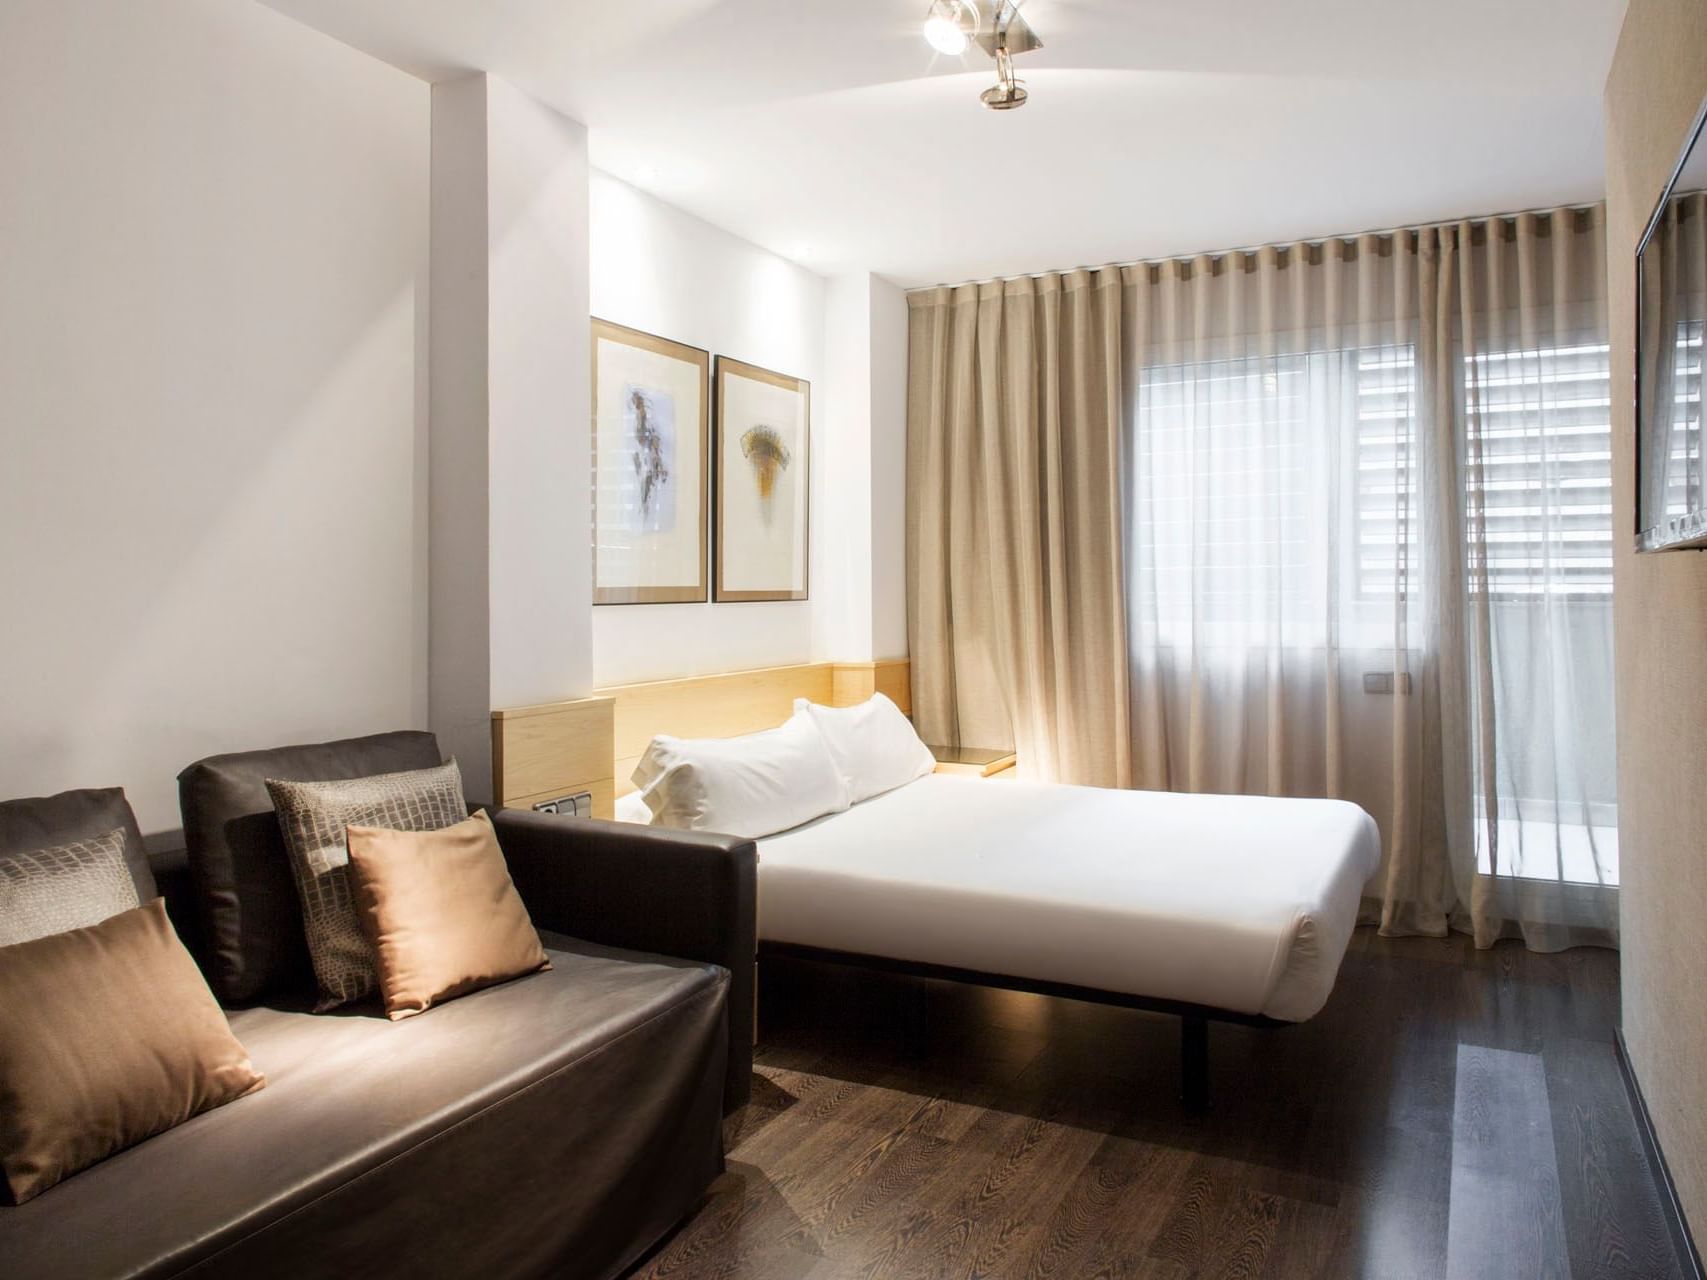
(1658, 79)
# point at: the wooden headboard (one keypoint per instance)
(562, 739)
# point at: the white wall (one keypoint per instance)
(845, 610)
(888, 470)
(213, 248)
(865, 616)
(540, 389)
(460, 685)
(663, 271)
(511, 436)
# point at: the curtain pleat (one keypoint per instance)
(1314, 519)
(1017, 628)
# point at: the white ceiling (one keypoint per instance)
(824, 129)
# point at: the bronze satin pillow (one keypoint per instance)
(108, 1035)
(441, 912)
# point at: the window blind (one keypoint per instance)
(1540, 462)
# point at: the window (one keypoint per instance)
(1267, 500)
(1224, 472)
(1385, 499)
(1238, 457)
(1540, 423)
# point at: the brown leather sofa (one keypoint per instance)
(556, 1125)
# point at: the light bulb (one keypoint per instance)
(945, 35)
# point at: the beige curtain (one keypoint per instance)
(1330, 518)
(1014, 594)
(1369, 554)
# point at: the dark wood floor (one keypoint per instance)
(1451, 1113)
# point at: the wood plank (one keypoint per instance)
(1505, 1218)
(1613, 1227)
(553, 748)
(854, 682)
(910, 1128)
(851, 683)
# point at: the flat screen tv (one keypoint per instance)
(1671, 313)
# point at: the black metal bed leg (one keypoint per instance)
(1194, 1062)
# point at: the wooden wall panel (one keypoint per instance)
(555, 749)
(857, 681)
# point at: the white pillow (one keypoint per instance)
(874, 746)
(749, 786)
(633, 808)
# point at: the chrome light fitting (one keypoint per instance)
(997, 28)
(1007, 93)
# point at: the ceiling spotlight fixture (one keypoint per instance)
(1007, 93)
(950, 26)
(997, 28)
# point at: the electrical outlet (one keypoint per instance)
(1382, 682)
(579, 805)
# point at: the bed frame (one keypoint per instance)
(1194, 1018)
(592, 744)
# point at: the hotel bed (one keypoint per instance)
(1241, 904)
(1230, 908)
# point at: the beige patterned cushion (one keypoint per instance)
(70, 886)
(313, 817)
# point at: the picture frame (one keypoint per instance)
(762, 469)
(651, 467)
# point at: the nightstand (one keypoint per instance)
(974, 762)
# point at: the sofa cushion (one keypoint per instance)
(68, 886)
(108, 1035)
(442, 914)
(76, 815)
(315, 818)
(252, 923)
(559, 1124)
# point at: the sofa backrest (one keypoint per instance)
(251, 919)
(42, 822)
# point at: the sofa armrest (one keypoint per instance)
(674, 893)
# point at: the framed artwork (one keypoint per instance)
(651, 410)
(763, 483)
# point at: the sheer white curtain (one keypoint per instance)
(1367, 519)
(1535, 421)
(1271, 418)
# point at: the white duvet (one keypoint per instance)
(1237, 902)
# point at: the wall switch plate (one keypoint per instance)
(579, 805)
(1382, 681)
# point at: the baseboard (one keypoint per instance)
(1682, 1242)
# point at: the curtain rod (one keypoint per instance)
(1313, 241)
